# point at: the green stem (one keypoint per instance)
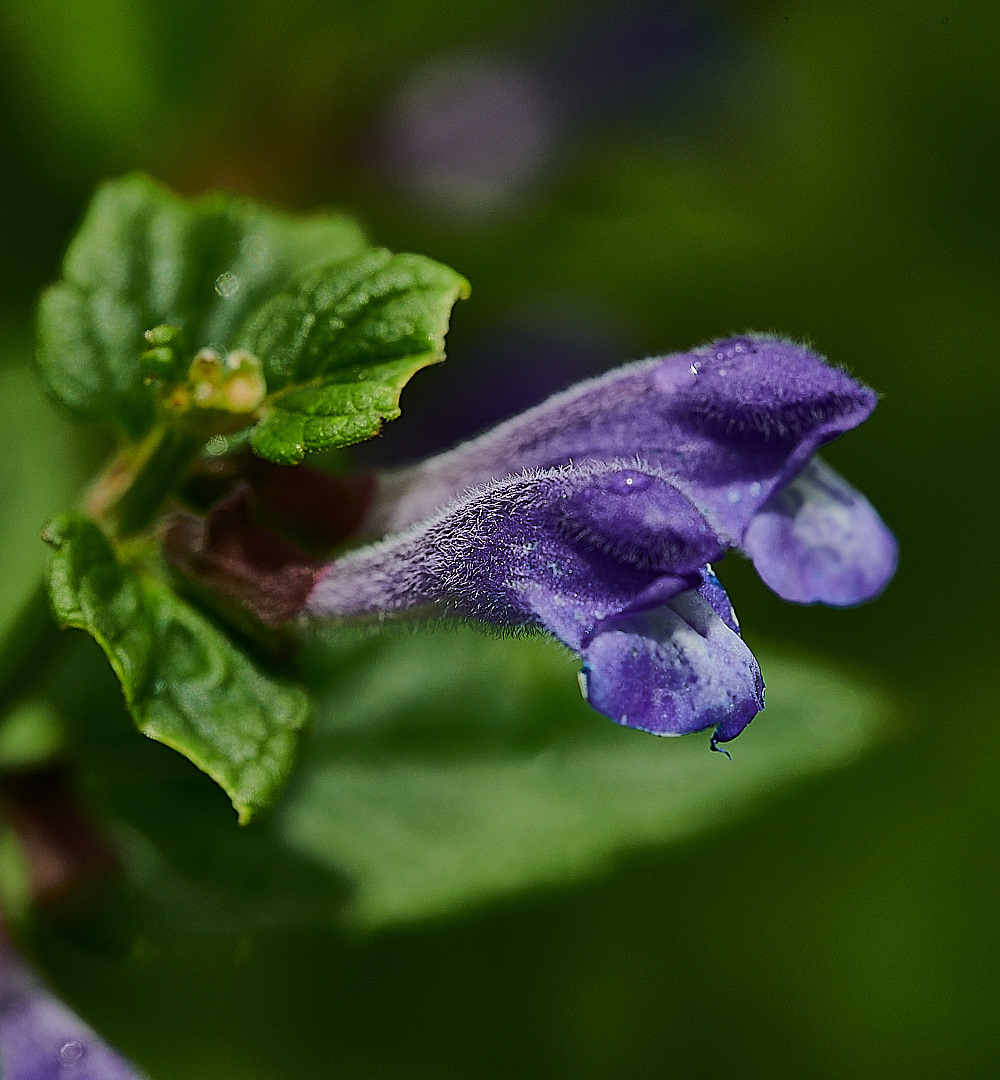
(28, 646)
(32, 639)
(164, 459)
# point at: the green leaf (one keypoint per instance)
(146, 257)
(447, 769)
(185, 683)
(340, 344)
(338, 327)
(444, 770)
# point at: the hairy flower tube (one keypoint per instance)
(613, 560)
(596, 516)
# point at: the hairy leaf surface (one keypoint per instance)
(340, 344)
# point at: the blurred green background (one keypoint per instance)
(615, 182)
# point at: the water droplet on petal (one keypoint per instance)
(733, 347)
(70, 1053)
(627, 482)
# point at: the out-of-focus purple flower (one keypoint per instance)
(610, 558)
(635, 59)
(735, 425)
(474, 134)
(40, 1039)
(469, 133)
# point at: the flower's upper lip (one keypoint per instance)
(730, 423)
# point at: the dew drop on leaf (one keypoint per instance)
(227, 285)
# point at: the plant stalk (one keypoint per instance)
(33, 637)
(30, 642)
(164, 458)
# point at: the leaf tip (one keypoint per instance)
(54, 533)
(266, 446)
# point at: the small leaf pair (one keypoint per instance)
(153, 281)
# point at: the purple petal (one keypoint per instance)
(675, 669)
(609, 559)
(730, 422)
(561, 548)
(712, 592)
(40, 1039)
(818, 540)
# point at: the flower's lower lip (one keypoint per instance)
(674, 669)
(558, 549)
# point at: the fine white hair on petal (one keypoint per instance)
(433, 559)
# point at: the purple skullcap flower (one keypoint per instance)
(610, 558)
(470, 132)
(40, 1039)
(734, 424)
